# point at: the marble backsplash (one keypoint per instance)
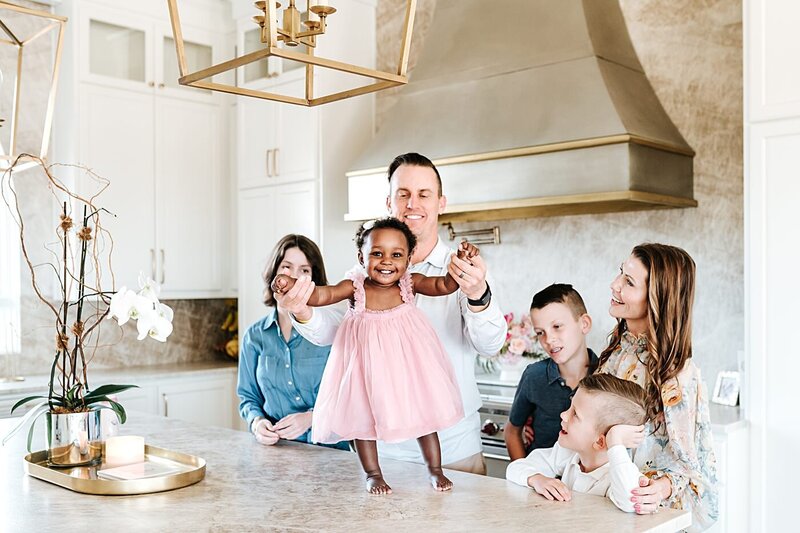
(692, 54)
(196, 337)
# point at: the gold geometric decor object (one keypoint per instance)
(26, 104)
(295, 30)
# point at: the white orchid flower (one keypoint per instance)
(122, 305)
(154, 325)
(154, 319)
(165, 311)
(127, 305)
(148, 288)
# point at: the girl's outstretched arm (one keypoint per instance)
(443, 285)
(434, 285)
(322, 295)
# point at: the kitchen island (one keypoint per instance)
(294, 487)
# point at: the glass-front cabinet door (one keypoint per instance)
(135, 53)
(199, 51)
(116, 50)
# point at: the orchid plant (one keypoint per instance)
(78, 266)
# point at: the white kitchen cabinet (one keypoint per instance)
(278, 143)
(143, 399)
(266, 214)
(205, 399)
(207, 402)
(162, 146)
(730, 448)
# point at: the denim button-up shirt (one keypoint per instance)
(278, 378)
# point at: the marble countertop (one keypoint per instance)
(296, 487)
(134, 374)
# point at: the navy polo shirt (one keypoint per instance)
(543, 395)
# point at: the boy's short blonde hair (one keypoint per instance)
(560, 293)
(621, 401)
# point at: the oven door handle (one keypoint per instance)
(495, 456)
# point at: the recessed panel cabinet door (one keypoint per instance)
(206, 402)
(267, 214)
(257, 237)
(118, 145)
(299, 141)
(188, 196)
(296, 209)
(256, 142)
(143, 398)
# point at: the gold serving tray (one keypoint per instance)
(84, 478)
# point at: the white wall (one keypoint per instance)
(772, 255)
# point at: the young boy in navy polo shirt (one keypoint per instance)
(546, 388)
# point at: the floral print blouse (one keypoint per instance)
(682, 446)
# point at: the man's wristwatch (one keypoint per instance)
(483, 300)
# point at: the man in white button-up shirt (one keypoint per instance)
(468, 321)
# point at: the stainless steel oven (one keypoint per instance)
(497, 398)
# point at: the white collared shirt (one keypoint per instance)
(615, 479)
(463, 334)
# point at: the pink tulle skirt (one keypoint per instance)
(387, 378)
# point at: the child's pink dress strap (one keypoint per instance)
(407, 288)
(357, 275)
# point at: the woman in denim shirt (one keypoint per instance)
(280, 371)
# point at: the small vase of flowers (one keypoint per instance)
(79, 307)
(520, 348)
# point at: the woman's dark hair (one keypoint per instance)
(309, 249)
(385, 223)
(413, 159)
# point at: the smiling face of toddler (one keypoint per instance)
(385, 255)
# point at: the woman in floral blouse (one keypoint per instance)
(651, 299)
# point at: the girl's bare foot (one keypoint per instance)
(439, 480)
(376, 485)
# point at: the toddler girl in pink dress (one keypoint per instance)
(388, 377)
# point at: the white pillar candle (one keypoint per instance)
(124, 450)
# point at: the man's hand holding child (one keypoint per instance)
(626, 435)
(550, 488)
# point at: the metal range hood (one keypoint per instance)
(530, 108)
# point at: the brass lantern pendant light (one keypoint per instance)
(293, 32)
(23, 31)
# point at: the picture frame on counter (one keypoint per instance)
(726, 390)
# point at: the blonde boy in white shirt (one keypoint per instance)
(606, 417)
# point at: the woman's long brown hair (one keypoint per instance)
(670, 296)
